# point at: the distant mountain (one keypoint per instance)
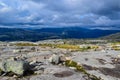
(15, 34)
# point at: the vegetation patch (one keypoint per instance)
(25, 44)
(115, 45)
(80, 68)
(70, 47)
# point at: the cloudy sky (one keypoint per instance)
(104, 14)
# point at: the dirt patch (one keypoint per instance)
(63, 74)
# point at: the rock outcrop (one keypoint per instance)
(57, 59)
(17, 67)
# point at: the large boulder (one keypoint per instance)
(17, 67)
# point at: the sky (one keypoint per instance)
(102, 14)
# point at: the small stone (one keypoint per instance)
(119, 56)
(72, 68)
(33, 62)
(15, 76)
(68, 58)
(38, 72)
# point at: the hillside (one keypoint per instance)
(15, 34)
(112, 36)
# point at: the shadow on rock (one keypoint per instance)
(114, 72)
(63, 74)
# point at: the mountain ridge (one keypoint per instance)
(20, 34)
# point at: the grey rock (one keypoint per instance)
(54, 59)
(17, 67)
(38, 72)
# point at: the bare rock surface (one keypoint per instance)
(104, 64)
(59, 73)
(99, 63)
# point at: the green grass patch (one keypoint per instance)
(69, 46)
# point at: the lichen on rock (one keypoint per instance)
(17, 67)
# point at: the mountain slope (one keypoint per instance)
(112, 36)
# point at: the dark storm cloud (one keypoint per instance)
(61, 12)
